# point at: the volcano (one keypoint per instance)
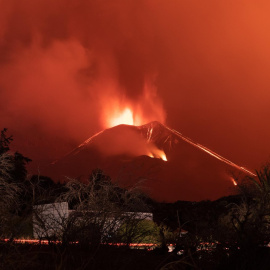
(165, 164)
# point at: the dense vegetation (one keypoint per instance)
(229, 233)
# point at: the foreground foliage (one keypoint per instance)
(230, 233)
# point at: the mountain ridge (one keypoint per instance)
(130, 154)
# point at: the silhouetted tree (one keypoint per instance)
(12, 178)
(251, 218)
(5, 141)
(9, 196)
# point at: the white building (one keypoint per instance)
(51, 220)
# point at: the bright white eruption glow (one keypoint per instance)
(124, 117)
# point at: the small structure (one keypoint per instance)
(50, 221)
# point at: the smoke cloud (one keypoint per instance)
(63, 64)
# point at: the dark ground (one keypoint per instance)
(32, 257)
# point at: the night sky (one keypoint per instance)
(200, 67)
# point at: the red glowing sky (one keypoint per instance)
(201, 67)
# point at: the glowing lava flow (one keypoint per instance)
(163, 157)
(160, 154)
(157, 153)
(234, 182)
(212, 153)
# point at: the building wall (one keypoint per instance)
(49, 219)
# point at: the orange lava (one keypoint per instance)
(157, 153)
(234, 182)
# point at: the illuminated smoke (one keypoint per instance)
(67, 68)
